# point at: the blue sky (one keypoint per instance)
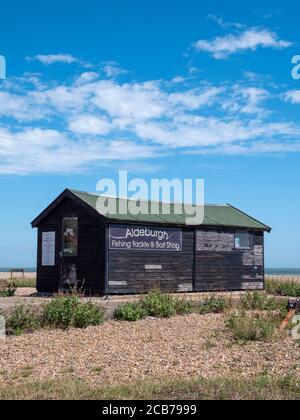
(179, 89)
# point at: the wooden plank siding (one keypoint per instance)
(219, 266)
(91, 249)
(209, 260)
(141, 271)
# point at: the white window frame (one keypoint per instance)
(243, 233)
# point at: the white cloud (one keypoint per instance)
(111, 69)
(20, 107)
(254, 148)
(138, 101)
(292, 96)
(86, 77)
(54, 58)
(49, 151)
(196, 98)
(254, 97)
(90, 124)
(246, 100)
(193, 70)
(97, 121)
(189, 131)
(223, 23)
(250, 39)
(178, 79)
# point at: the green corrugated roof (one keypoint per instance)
(214, 215)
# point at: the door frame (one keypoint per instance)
(63, 259)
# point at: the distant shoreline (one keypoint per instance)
(27, 270)
(269, 271)
(282, 271)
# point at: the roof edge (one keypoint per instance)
(75, 192)
(51, 206)
(66, 193)
(73, 195)
(266, 227)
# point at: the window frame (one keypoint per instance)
(251, 241)
(63, 237)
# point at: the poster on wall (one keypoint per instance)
(48, 249)
(143, 238)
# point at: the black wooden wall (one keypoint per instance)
(91, 248)
(209, 260)
(131, 271)
(219, 266)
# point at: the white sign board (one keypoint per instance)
(153, 267)
(48, 249)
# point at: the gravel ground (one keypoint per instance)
(120, 352)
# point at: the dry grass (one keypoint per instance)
(284, 278)
(7, 275)
(286, 287)
(262, 387)
(24, 282)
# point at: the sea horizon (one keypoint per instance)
(271, 271)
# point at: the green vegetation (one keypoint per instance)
(24, 282)
(155, 304)
(263, 387)
(88, 314)
(69, 311)
(130, 312)
(7, 289)
(62, 312)
(253, 327)
(283, 288)
(215, 305)
(59, 312)
(23, 319)
(163, 305)
(259, 301)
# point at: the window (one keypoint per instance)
(70, 237)
(243, 240)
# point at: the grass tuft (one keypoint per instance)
(69, 311)
(260, 301)
(23, 319)
(62, 312)
(283, 288)
(215, 305)
(263, 387)
(253, 327)
(155, 304)
(7, 289)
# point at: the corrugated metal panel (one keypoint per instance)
(214, 215)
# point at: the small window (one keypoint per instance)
(243, 240)
(70, 237)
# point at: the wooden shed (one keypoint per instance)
(126, 254)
